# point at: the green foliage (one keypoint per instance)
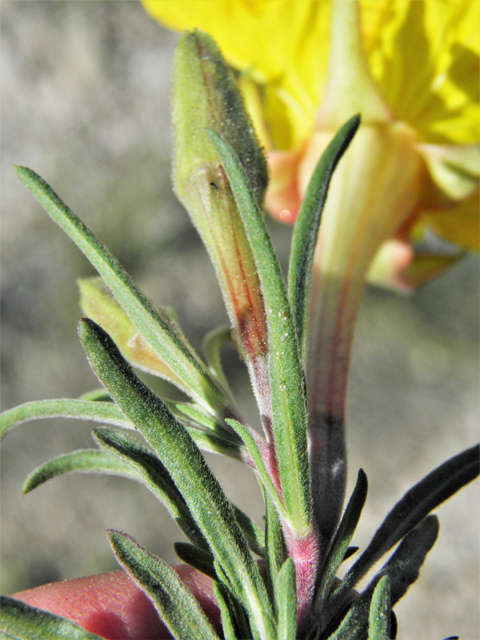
(293, 591)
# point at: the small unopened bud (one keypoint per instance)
(206, 97)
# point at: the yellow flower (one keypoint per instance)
(419, 69)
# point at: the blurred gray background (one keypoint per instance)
(85, 102)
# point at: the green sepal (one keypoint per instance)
(289, 419)
(177, 451)
(305, 232)
(175, 603)
(379, 613)
(286, 598)
(205, 95)
(196, 558)
(21, 621)
(105, 412)
(83, 461)
(177, 353)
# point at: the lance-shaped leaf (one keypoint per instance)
(147, 468)
(174, 602)
(177, 451)
(339, 547)
(20, 621)
(177, 353)
(306, 228)
(205, 95)
(287, 382)
(83, 461)
(81, 409)
(435, 488)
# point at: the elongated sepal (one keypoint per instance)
(185, 464)
(176, 604)
(20, 621)
(306, 228)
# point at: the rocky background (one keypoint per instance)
(85, 102)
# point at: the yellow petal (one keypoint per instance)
(425, 58)
(282, 44)
(460, 224)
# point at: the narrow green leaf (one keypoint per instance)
(379, 614)
(201, 491)
(212, 346)
(196, 557)
(83, 461)
(221, 596)
(176, 353)
(305, 232)
(339, 548)
(288, 400)
(253, 447)
(435, 488)
(175, 603)
(147, 468)
(20, 621)
(105, 412)
(286, 597)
